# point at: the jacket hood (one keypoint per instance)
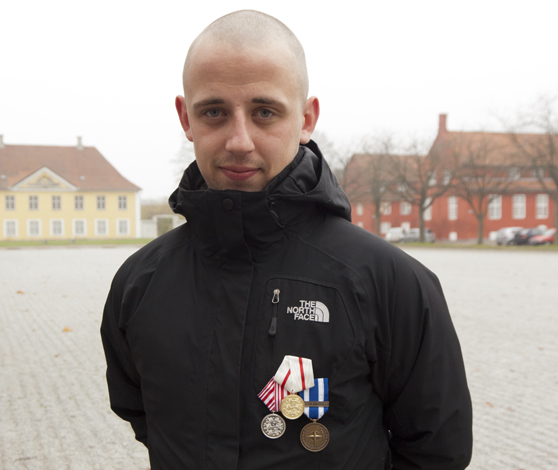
(304, 186)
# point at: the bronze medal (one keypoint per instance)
(292, 406)
(314, 437)
(273, 426)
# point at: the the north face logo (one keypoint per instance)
(310, 310)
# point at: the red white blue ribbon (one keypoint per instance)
(318, 393)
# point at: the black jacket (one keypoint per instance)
(186, 334)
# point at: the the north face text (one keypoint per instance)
(310, 310)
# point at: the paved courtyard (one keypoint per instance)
(54, 412)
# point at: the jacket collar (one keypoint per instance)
(265, 218)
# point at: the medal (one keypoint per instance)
(314, 437)
(273, 426)
(292, 406)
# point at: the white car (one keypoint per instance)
(395, 234)
(505, 235)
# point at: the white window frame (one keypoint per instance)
(452, 208)
(360, 224)
(33, 203)
(519, 206)
(74, 222)
(447, 177)
(495, 207)
(453, 237)
(78, 203)
(359, 210)
(16, 227)
(427, 214)
(541, 206)
(9, 203)
(101, 203)
(39, 226)
(61, 234)
(432, 180)
(97, 232)
(122, 203)
(514, 173)
(386, 208)
(405, 208)
(384, 227)
(118, 231)
(56, 203)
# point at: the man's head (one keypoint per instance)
(244, 104)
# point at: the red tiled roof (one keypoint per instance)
(17, 162)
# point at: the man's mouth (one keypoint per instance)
(238, 173)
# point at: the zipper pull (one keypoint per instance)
(275, 300)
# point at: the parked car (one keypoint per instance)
(547, 238)
(413, 235)
(523, 236)
(506, 234)
(395, 234)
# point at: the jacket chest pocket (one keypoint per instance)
(301, 318)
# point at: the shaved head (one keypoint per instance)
(250, 29)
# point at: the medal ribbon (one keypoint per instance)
(318, 393)
(272, 395)
(295, 374)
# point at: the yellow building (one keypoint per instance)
(50, 192)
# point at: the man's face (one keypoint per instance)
(244, 112)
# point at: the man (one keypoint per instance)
(268, 266)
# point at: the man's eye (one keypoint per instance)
(213, 113)
(265, 113)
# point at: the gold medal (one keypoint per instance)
(273, 426)
(292, 406)
(314, 437)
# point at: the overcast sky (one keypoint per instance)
(109, 70)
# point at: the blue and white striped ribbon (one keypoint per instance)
(319, 392)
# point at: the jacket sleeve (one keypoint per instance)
(123, 379)
(427, 403)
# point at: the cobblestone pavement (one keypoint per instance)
(54, 412)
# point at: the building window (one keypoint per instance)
(101, 203)
(10, 203)
(453, 236)
(432, 180)
(542, 206)
(34, 228)
(406, 225)
(386, 208)
(360, 224)
(101, 227)
(427, 214)
(494, 207)
(404, 208)
(123, 227)
(122, 203)
(33, 203)
(56, 203)
(359, 210)
(384, 227)
(10, 228)
(57, 227)
(537, 173)
(447, 177)
(452, 208)
(514, 173)
(79, 228)
(78, 203)
(519, 210)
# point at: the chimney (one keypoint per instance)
(442, 124)
(79, 144)
(1, 141)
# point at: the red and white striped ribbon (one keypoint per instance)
(295, 374)
(272, 395)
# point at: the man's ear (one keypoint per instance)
(180, 104)
(311, 113)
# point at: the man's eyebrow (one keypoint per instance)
(208, 102)
(268, 101)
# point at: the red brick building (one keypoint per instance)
(470, 163)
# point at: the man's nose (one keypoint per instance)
(239, 141)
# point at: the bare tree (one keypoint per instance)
(183, 157)
(422, 177)
(540, 149)
(482, 172)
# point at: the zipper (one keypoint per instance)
(275, 301)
